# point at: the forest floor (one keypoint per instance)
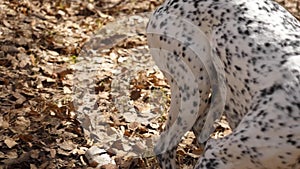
(51, 54)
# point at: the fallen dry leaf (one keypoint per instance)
(10, 142)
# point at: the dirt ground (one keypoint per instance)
(41, 43)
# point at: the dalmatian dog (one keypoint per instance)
(246, 54)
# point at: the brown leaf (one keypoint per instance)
(3, 122)
(20, 98)
(6, 23)
(12, 154)
(10, 142)
(21, 124)
(135, 94)
(67, 145)
(133, 125)
(34, 154)
(67, 90)
(9, 49)
(26, 138)
(109, 166)
(63, 152)
(32, 166)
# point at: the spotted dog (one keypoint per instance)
(246, 53)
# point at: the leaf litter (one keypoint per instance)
(40, 126)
